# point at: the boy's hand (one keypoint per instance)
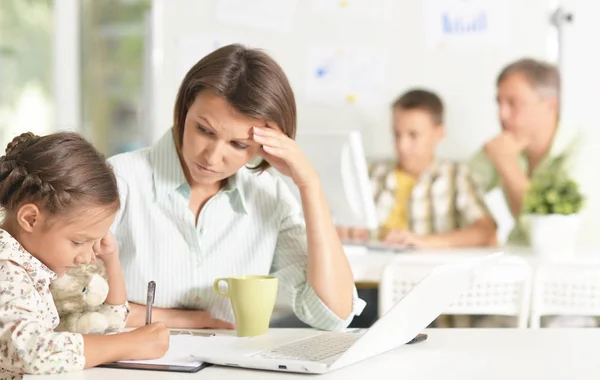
(106, 248)
(358, 235)
(403, 238)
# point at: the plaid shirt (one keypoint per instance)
(445, 198)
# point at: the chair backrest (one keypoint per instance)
(565, 289)
(499, 289)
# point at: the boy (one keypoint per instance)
(423, 201)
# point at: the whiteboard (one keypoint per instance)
(397, 32)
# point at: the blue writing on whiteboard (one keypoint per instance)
(455, 24)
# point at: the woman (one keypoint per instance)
(194, 208)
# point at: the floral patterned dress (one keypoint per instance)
(28, 317)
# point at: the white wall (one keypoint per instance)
(580, 65)
(66, 65)
(464, 78)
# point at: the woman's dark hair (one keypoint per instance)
(56, 172)
(251, 82)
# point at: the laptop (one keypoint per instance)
(320, 352)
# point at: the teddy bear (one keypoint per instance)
(79, 297)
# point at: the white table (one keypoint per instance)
(448, 354)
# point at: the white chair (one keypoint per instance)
(502, 289)
(565, 289)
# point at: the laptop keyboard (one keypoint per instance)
(317, 348)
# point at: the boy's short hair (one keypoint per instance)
(422, 100)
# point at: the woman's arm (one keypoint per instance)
(328, 269)
(176, 318)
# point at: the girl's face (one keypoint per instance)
(62, 244)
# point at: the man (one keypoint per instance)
(533, 138)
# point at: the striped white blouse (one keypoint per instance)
(253, 226)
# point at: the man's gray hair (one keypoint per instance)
(543, 77)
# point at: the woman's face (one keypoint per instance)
(217, 140)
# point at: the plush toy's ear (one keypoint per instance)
(96, 291)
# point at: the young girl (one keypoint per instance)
(59, 198)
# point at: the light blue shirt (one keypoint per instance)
(252, 226)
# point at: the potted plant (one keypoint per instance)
(553, 202)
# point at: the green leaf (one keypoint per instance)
(552, 196)
(553, 192)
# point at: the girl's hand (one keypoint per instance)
(106, 248)
(284, 155)
(149, 342)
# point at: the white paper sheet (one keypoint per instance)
(341, 75)
(184, 350)
(272, 15)
(465, 24)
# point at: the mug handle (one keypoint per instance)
(216, 287)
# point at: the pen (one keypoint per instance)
(150, 301)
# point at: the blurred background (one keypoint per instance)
(111, 68)
(80, 65)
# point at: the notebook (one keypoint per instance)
(180, 355)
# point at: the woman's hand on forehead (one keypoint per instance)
(271, 125)
(283, 154)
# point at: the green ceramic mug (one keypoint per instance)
(252, 300)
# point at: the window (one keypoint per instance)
(114, 47)
(26, 36)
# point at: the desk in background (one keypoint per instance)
(368, 267)
(449, 354)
